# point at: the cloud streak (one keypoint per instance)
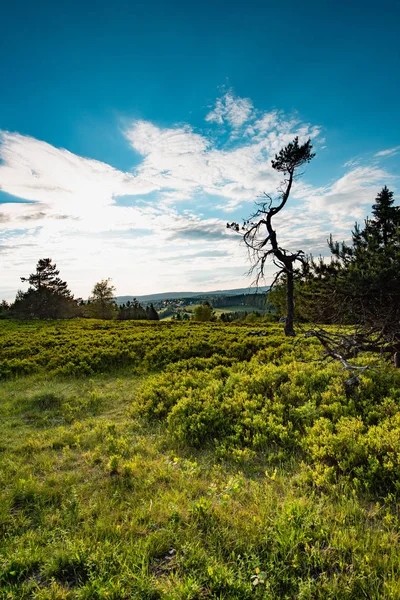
(387, 153)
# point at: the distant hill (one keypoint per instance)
(175, 295)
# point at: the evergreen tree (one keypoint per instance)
(4, 310)
(386, 218)
(152, 314)
(47, 297)
(46, 277)
(361, 283)
(134, 311)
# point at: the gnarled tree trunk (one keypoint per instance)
(289, 329)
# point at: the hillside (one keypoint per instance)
(199, 295)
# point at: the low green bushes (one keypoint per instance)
(209, 464)
(281, 409)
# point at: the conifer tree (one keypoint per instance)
(47, 297)
(4, 310)
(152, 314)
(361, 283)
(386, 218)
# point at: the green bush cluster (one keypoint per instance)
(370, 456)
(245, 408)
(86, 347)
(222, 386)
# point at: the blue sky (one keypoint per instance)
(137, 129)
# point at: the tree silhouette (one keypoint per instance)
(359, 286)
(259, 234)
(386, 218)
(47, 297)
(46, 277)
(151, 313)
(361, 283)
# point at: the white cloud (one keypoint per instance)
(263, 125)
(232, 110)
(35, 170)
(187, 163)
(74, 219)
(348, 196)
(353, 162)
(389, 152)
(146, 138)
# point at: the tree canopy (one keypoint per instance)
(101, 303)
(203, 312)
(360, 284)
(133, 310)
(47, 297)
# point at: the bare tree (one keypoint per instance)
(259, 234)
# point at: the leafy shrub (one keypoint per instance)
(370, 456)
(85, 347)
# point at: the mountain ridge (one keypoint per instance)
(177, 295)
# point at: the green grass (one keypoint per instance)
(129, 485)
(238, 308)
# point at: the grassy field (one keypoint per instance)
(238, 308)
(188, 461)
(235, 308)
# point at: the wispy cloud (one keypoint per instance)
(232, 110)
(388, 152)
(349, 196)
(34, 170)
(185, 162)
(353, 162)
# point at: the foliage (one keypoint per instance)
(361, 283)
(85, 347)
(258, 300)
(47, 297)
(285, 409)
(243, 315)
(151, 313)
(203, 312)
(133, 310)
(101, 303)
(200, 462)
(5, 311)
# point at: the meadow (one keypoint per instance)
(186, 461)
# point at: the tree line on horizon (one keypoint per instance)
(48, 297)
